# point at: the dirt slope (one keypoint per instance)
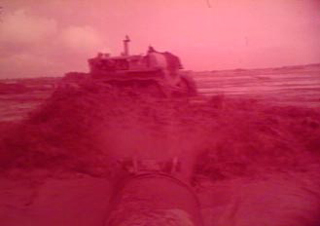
(235, 143)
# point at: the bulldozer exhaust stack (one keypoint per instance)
(126, 46)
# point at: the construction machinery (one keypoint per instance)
(155, 73)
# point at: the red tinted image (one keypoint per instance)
(159, 113)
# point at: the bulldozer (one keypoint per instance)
(157, 74)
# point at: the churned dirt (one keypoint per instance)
(251, 162)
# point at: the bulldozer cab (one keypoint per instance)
(105, 63)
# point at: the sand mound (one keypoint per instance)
(86, 128)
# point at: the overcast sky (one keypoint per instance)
(49, 38)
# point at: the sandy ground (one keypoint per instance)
(282, 86)
(68, 200)
(274, 200)
(79, 199)
(239, 183)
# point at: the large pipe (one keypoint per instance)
(154, 199)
